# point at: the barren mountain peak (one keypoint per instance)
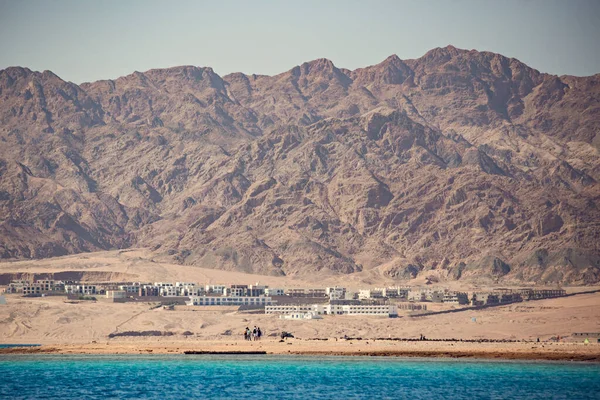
(450, 166)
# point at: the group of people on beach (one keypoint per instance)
(253, 334)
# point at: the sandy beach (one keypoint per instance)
(83, 328)
(364, 347)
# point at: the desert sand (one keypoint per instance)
(84, 328)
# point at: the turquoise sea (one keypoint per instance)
(289, 377)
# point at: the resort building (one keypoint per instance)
(182, 284)
(484, 299)
(301, 316)
(458, 298)
(302, 292)
(416, 296)
(229, 301)
(274, 292)
(214, 289)
(81, 289)
(335, 293)
(16, 286)
(168, 291)
(370, 294)
(536, 294)
(35, 288)
(411, 307)
(335, 309)
(148, 291)
(436, 297)
(116, 294)
(394, 292)
(133, 289)
(190, 290)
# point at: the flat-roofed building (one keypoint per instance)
(316, 292)
(484, 299)
(370, 294)
(394, 292)
(16, 286)
(44, 286)
(116, 294)
(306, 292)
(536, 294)
(214, 289)
(168, 291)
(81, 289)
(274, 291)
(181, 284)
(335, 293)
(436, 297)
(133, 289)
(236, 290)
(229, 301)
(335, 309)
(190, 290)
(295, 292)
(417, 295)
(148, 291)
(458, 298)
(411, 306)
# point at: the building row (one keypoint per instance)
(388, 310)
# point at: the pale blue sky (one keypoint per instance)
(88, 40)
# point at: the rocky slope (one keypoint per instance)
(457, 165)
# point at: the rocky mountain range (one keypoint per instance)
(457, 165)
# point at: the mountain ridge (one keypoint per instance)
(434, 167)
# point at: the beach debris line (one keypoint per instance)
(225, 352)
(142, 333)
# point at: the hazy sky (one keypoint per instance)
(88, 40)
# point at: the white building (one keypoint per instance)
(116, 294)
(274, 291)
(133, 289)
(370, 294)
(229, 301)
(214, 289)
(190, 290)
(335, 293)
(394, 292)
(388, 310)
(168, 291)
(81, 289)
(181, 284)
(301, 316)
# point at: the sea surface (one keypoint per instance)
(290, 377)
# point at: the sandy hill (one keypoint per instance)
(460, 165)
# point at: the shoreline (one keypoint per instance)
(542, 351)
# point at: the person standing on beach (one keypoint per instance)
(254, 333)
(258, 333)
